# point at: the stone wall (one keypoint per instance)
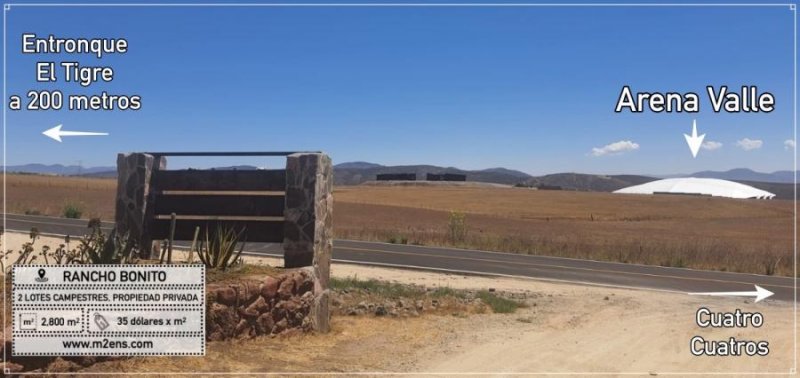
(308, 225)
(271, 306)
(133, 189)
(309, 200)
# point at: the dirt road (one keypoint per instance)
(572, 328)
(631, 332)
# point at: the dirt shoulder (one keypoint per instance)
(565, 328)
(578, 328)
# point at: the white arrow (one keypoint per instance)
(694, 141)
(760, 293)
(56, 133)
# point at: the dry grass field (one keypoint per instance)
(49, 195)
(682, 231)
(698, 232)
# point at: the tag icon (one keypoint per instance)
(100, 321)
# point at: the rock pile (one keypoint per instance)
(400, 307)
(249, 308)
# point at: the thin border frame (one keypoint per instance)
(792, 7)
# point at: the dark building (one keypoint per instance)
(445, 177)
(396, 177)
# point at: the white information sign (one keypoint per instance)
(108, 310)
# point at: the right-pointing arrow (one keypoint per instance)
(760, 293)
(693, 140)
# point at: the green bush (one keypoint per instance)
(382, 288)
(72, 211)
(446, 291)
(771, 264)
(457, 227)
(398, 240)
(499, 305)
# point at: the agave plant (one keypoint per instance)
(97, 248)
(217, 249)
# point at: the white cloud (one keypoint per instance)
(711, 145)
(748, 144)
(615, 148)
(788, 144)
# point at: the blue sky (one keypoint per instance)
(532, 89)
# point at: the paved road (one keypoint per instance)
(493, 263)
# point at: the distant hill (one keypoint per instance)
(350, 173)
(600, 183)
(100, 172)
(506, 171)
(744, 174)
(780, 190)
(356, 165)
(588, 182)
(237, 168)
(359, 172)
(354, 173)
(57, 169)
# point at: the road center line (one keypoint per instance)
(563, 267)
(540, 265)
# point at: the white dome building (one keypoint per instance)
(698, 186)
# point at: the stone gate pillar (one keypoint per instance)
(134, 171)
(308, 225)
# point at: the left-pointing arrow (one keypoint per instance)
(56, 133)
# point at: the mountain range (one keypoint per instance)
(744, 174)
(359, 172)
(354, 173)
(58, 169)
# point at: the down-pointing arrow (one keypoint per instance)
(56, 133)
(760, 293)
(693, 140)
